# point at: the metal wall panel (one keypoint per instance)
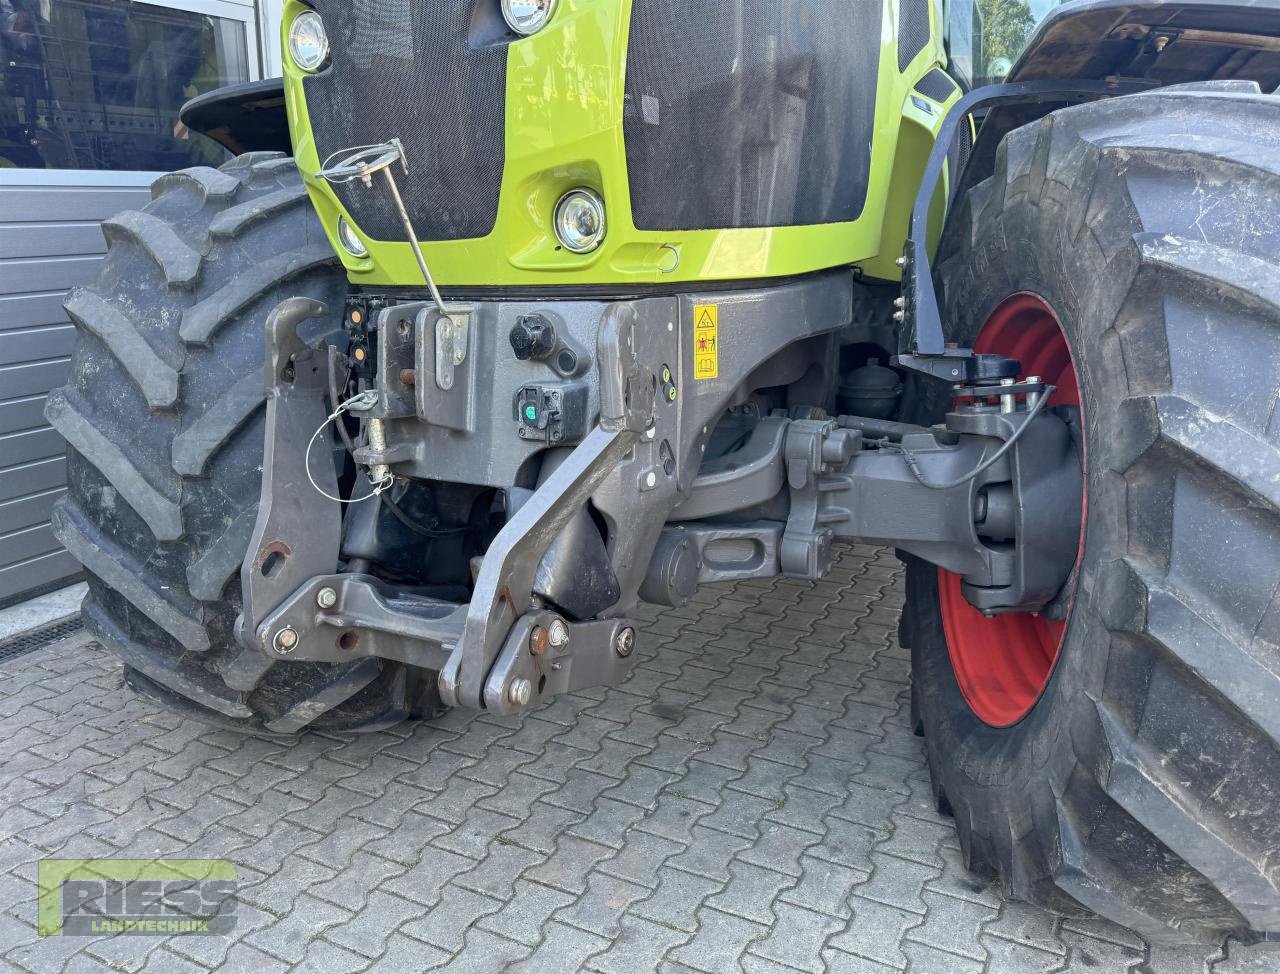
(50, 241)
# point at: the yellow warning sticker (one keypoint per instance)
(706, 341)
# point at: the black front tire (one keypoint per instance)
(163, 413)
(1144, 784)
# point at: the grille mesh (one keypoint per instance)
(756, 113)
(961, 151)
(913, 32)
(38, 638)
(936, 85)
(409, 69)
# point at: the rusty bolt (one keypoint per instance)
(285, 641)
(408, 377)
(538, 641)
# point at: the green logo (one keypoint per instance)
(90, 897)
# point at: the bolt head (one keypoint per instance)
(558, 634)
(286, 640)
(651, 479)
(326, 598)
(625, 642)
(520, 692)
(901, 262)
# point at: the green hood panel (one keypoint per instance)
(566, 100)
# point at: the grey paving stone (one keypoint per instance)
(528, 910)
(640, 947)
(720, 942)
(876, 931)
(368, 931)
(288, 937)
(751, 892)
(446, 924)
(824, 886)
(405, 955)
(751, 799)
(797, 937)
(323, 957)
(676, 901)
(569, 864)
(564, 948)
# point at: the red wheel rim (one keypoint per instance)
(1003, 663)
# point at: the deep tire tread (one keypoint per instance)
(1143, 786)
(164, 422)
(178, 261)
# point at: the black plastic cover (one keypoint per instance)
(756, 113)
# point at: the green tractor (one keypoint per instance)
(508, 316)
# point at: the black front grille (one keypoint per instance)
(409, 69)
(756, 113)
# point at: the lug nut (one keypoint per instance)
(625, 642)
(899, 316)
(899, 302)
(558, 634)
(326, 598)
(286, 639)
(520, 692)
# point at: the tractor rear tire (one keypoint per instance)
(1143, 783)
(163, 413)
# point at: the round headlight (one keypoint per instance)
(308, 43)
(579, 221)
(527, 16)
(350, 240)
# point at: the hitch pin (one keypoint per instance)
(362, 164)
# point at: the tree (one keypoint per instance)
(1007, 27)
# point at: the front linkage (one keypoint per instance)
(993, 495)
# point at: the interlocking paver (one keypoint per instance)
(752, 798)
(527, 912)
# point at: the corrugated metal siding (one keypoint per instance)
(49, 242)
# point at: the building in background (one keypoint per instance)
(89, 99)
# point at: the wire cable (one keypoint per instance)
(363, 400)
(913, 463)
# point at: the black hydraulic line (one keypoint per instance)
(884, 429)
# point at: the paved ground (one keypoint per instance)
(753, 799)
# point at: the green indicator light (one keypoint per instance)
(531, 413)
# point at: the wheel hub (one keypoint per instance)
(1003, 663)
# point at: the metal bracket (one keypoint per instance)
(815, 450)
(453, 336)
(922, 346)
(505, 583)
(336, 618)
(530, 668)
(297, 533)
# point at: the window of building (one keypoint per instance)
(97, 84)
